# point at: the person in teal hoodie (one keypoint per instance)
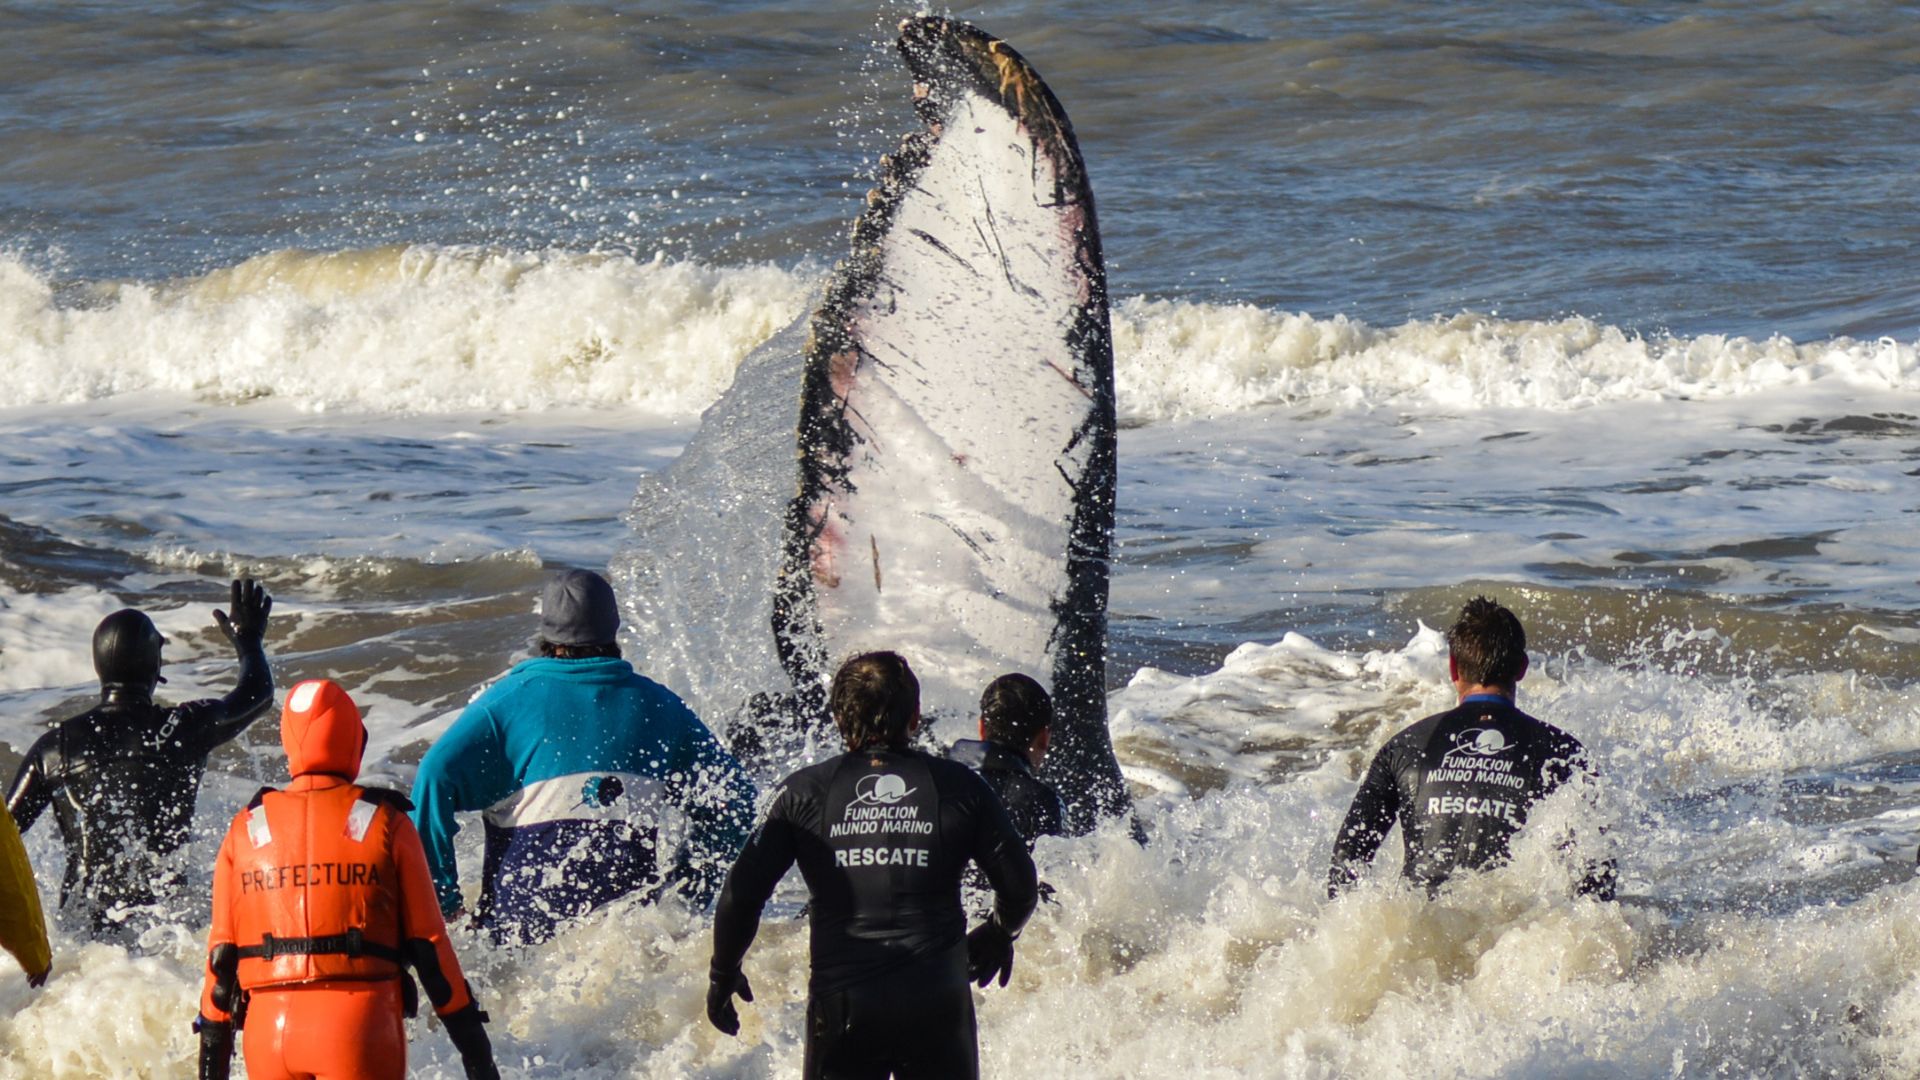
(593, 781)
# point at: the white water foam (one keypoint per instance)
(424, 329)
(1673, 730)
(1178, 359)
(412, 329)
(1213, 953)
(44, 637)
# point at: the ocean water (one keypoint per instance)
(1601, 309)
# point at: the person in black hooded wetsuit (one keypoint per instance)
(121, 777)
(1462, 782)
(1016, 725)
(882, 834)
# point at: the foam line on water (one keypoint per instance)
(1181, 358)
(417, 329)
(402, 329)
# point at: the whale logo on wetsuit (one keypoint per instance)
(883, 789)
(1480, 742)
(601, 791)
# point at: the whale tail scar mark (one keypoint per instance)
(976, 546)
(1070, 377)
(1000, 248)
(939, 246)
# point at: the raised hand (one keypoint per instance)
(250, 607)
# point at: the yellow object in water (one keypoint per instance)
(23, 930)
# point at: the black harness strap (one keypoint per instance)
(351, 943)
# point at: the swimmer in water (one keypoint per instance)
(1460, 783)
(321, 900)
(121, 777)
(1016, 725)
(882, 834)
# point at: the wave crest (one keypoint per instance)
(432, 330)
(403, 329)
(1176, 359)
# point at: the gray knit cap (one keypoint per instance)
(578, 608)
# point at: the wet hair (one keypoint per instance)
(609, 650)
(874, 699)
(1489, 646)
(1014, 710)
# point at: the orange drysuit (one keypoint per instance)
(321, 897)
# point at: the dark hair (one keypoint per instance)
(608, 650)
(1489, 646)
(874, 700)
(1014, 710)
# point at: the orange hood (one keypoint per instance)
(321, 730)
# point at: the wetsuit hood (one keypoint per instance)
(126, 651)
(321, 730)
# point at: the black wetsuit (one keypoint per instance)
(881, 838)
(1032, 803)
(1460, 784)
(121, 779)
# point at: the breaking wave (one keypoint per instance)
(1180, 359)
(433, 330)
(402, 329)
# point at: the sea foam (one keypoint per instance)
(1213, 952)
(405, 329)
(1178, 359)
(432, 330)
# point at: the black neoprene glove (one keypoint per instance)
(250, 605)
(989, 953)
(468, 1030)
(216, 1048)
(721, 987)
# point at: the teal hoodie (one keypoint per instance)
(587, 767)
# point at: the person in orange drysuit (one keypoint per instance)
(321, 898)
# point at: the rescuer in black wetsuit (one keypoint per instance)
(1462, 782)
(1016, 724)
(881, 834)
(122, 777)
